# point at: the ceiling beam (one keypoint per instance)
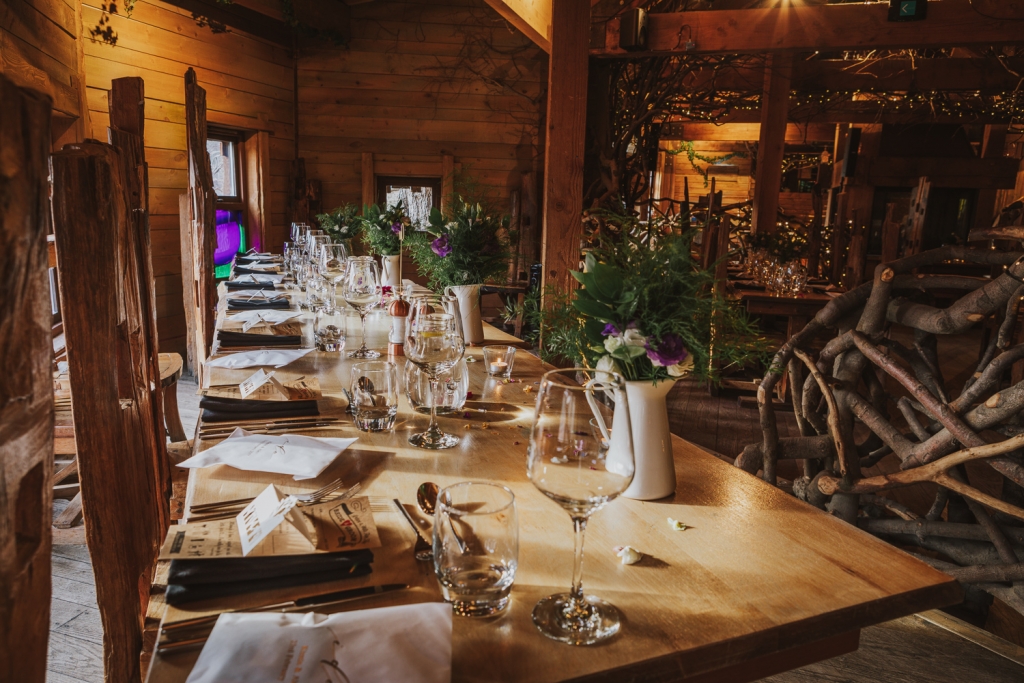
(883, 75)
(531, 17)
(240, 18)
(810, 28)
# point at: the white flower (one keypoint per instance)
(608, 364)
(683, 368)
(629, 554)
(676, 524)
(612, 343)
(633, 338)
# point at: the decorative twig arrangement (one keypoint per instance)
(846, 388)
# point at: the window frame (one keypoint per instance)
(236, 202)
(434, 182)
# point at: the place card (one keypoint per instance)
(258, 379)
(268, 511)
(299, 389)
(340, 525)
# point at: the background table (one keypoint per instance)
(759, 583)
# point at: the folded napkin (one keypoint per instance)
(218, 409)
(278, 302)
(256, 269)
(264, 278)
(269, 317)
(256, 258)
(229, 339)
(303, 457)
(254, 359)
(179, 595)
(408, 643)
(235, 285)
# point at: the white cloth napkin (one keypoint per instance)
(264, 357)
(407, 644)
(263, 279)
(270, 316)
(259, 265)
(303, 457)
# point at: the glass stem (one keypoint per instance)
(579, 525)
(362, 321)
(433, 428)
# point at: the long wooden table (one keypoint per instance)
(759, 583)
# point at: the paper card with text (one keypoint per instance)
(340, 525)
(300, 389)
(265, 513)
(257, 380)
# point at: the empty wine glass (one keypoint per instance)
(582, 469)
(361, 289)
(432, 343)
(334, 262)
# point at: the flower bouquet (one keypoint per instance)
(342, 223)
(384, 230)
(460, 252)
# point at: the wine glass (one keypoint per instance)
(334, 262)
(432, 343)
(361, 290)
(581, 456)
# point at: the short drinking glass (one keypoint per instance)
(375, 395)
(476, 547)
(329, 329)
(582, 469)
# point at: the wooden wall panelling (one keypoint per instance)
(993, 146)
(891, 234)
(109, 361)
(250, 87)
(447, 181)
(257, 171)
(26, 392)
(202, 208)
(566, 129)
(916, 219)
(127, 104)
(192, 363)
(369, 182)
(772, 142)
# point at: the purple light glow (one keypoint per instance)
(229, 239)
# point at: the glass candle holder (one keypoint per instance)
(329, 330)
(375, 395)
(498, 360)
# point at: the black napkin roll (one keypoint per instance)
(229, 339)
(194, 580)
(216, 409)
(257, 304)
(242, 270)
(242, 284)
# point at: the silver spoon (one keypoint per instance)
(426, 498)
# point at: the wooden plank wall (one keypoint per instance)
(422, 79)
(250, 85)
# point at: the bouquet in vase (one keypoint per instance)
(383, 230)
(646, 309)
(342, 223)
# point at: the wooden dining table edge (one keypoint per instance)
(705, 664)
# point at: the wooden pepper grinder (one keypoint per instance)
(398, 310)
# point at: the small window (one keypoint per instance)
(225, 166)
(418, 196)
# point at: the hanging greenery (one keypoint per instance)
(694, 156)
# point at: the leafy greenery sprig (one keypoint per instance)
(648, 310)
(342, 223)
(383, 230)
(466, 247)
(694, 156)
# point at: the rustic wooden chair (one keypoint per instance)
(26, 396)
(109, 315)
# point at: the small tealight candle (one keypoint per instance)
(499, 360)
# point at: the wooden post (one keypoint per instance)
(26, 391)
(202, 222)
(188, 281)
(771, 146)
(891, 234)
(447, 182)
(108, 356)
(918, 213)
(528, 236)
(564, 141)
(369, 180)
(992, 147)
(257, 196)
(126, 102)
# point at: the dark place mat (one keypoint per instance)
(241, 270)
(216, 409)
(177, 594)
(241, 284)
(259, 304)
(230, 339)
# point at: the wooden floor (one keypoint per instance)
(907, 650)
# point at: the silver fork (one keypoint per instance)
(305, 498)
(228, 513)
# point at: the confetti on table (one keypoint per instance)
(677, 525)
(628, 554)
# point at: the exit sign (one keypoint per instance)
(908, 10)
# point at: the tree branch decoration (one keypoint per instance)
(694, 156)
(847, 423)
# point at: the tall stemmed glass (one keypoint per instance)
(581, 457)
(334, 264)
(433, 345)
(361, 289)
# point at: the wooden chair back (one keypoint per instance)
(115, 380)
(198, 226)
(26, 390)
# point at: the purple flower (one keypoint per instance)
(610, 330)
(670, 351)
(396, 228)
(440, 246)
